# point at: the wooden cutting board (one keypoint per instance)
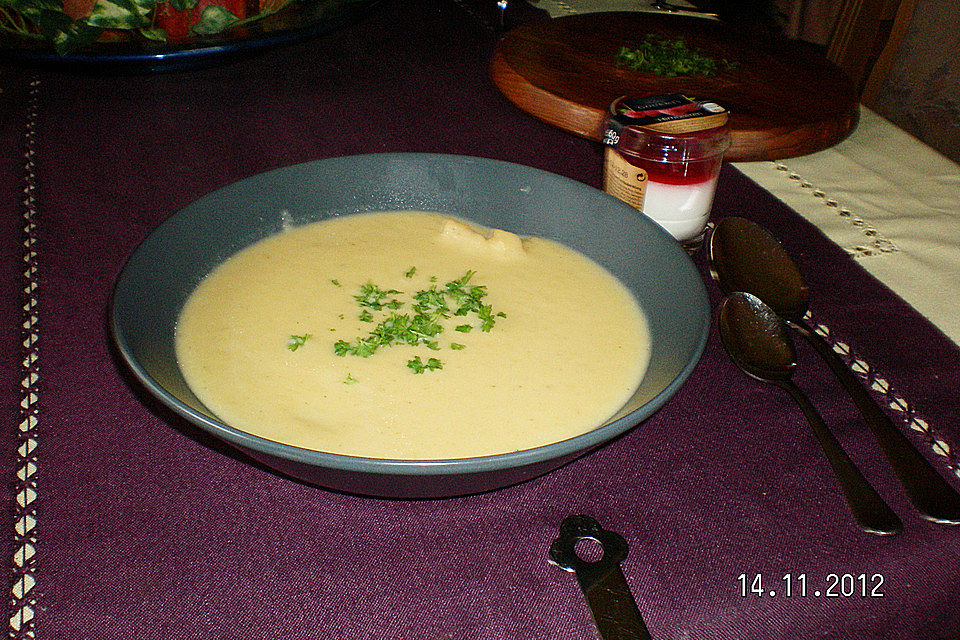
(784, 98)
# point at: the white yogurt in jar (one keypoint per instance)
(681, 209)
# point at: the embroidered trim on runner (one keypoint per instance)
(874, 243)
(891, 398)
(23, 589)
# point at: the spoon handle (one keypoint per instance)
(929, 493)
(869, 509)
(602, 581)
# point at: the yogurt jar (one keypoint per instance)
(667, 164)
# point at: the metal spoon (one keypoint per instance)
(756, 340)
(745, 257)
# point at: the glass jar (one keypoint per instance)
(670, 177)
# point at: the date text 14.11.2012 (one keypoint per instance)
(800, 585)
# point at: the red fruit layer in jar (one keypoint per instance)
(691, 172)
(675, 158)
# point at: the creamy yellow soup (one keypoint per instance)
(300, 338)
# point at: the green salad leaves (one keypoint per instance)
(147, 21)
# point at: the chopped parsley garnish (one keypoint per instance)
(363, 347)
(373, 297)
(423, 324)
(431, 301)
(456, 346)
(420, 366)
(295, 342)
(409, 273)
(670, 57)
(335, 282)
(350, 379)
(485, 313)
(466, 298)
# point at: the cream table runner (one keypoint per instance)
(890, 201)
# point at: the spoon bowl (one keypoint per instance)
(755, 339)
(746, 257)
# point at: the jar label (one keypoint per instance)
(623, 180)
(670, 113)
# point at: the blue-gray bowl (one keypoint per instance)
(169, 264)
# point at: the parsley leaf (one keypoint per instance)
(372, 296)
(419, 366)
(295, 342)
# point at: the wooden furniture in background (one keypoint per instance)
(865, 40)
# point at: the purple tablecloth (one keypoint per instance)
(123, 522)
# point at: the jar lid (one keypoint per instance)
(671, 113)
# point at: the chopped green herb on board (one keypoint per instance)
(670, 57)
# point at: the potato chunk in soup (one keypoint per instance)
(344, 336)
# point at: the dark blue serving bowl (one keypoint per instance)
(169, 264)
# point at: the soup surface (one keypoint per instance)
(411, 335)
